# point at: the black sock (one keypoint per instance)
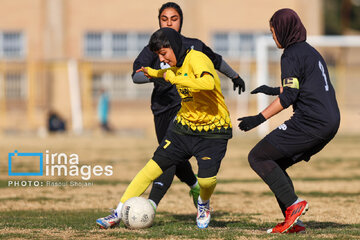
(162, 184)
(279, 185)
(281, 205)
(270, 164)
(185, 173)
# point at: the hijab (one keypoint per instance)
(288, 27)
(168, 36)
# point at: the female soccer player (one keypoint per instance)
(201, 128)
(306, 85)
(165, 101)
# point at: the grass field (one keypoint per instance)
(243, 206)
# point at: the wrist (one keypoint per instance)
(277, 90)
(261, 117)
(170, 76)
(152, 72)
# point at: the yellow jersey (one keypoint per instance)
(203, 110)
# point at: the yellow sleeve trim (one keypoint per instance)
(155, 73)
(290, 82)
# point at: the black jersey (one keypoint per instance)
(307, 86)
(165, 95)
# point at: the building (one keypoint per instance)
(46, 46)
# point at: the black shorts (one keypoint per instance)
(296, 144)
(175, 149)
(163, 120)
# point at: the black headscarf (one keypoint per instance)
(168, 37)
(288, 27)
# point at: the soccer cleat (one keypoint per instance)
(297, 229)
(110, 221)
(195, 193)
(203, 214)
(292, 214)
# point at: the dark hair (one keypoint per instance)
(174, 6)
(158, 40)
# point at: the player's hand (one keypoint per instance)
(238, 82)
(248, 123)
(145, 71)
(273, 91)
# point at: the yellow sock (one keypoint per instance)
(142, 180)
(207, 186)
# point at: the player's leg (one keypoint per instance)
(262, 159)
(183, 171)
(209, 154)
(284, 164)
(266, 158)
(299, 226)
(165, 156)
(161, 185)
(136, 187)
(186, 174)
(164, 181)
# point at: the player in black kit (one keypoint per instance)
(165, 100)
(305, 84)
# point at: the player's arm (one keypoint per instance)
(274, 108)
(204, 81)
(144, 59)
(154, 73)
(221, 65)
(201, 79)
(289, 92)
(290, 75)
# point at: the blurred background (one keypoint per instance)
(58, 58)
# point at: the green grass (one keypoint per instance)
(80, 225)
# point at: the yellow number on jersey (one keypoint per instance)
(167, 143)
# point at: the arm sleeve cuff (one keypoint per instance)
(140, 78)
(227, 70)
(288, 96)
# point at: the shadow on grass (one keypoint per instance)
(219, 219)
(325, 225)
(242, 221)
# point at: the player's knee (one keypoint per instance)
(152, 170)
(207, 182)
(162, 161)
(252, 158)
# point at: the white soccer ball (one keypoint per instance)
(137, 213)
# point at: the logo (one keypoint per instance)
(283, 127)
(16, 154)
(185, 94)
(296, 211)
(158, 183)
(53, 164)
(290, 82)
